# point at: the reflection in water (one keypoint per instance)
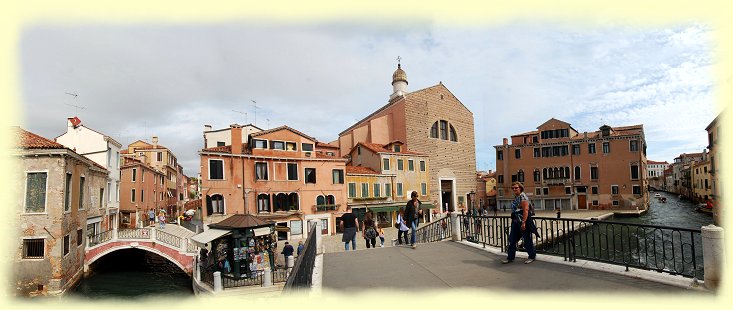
(134, 273)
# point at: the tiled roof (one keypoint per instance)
(326, 145)
(281, 128)
(29, 140)
(226, 149)
(325, 156)
(379, 148)
(359, 170)
(651, 162)
(241, 221)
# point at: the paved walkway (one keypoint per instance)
(450, 264)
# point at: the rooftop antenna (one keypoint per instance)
(245, 115)
(268, 123)
(255, 105)
(76, 107)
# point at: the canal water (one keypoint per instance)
(133, 273)
(674, 213)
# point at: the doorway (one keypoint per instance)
(446, 188)
(582, 204)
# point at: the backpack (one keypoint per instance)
(370, 233)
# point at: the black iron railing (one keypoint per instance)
(301, 277)
(228, 280)
(435, 231)
(672, 250)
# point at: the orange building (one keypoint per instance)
(141, 188)
(562, 168)
(280, 174)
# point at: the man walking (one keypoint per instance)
(151, 217)
(349, 225)
(287, 252)
(412, 214)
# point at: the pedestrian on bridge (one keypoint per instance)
(151, 216)
(349, 225)
(161, 219)
(402, 226)
(412, 215)
(520, 225)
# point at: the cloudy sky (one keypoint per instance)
(136, 80)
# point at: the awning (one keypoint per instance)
(208, 235)
(383, 209)
(262, 231)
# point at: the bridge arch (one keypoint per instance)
(184, 262)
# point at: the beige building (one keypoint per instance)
(59, 192)
(716, 187)
(430, 121)
(563, 168)
(701, 184)
(162, 159)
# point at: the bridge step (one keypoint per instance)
(254, 291)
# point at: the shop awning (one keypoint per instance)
(208, 235)
(383, 208)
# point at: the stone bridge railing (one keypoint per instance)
(179, 243)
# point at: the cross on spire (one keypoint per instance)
(398, 60)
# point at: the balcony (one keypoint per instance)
(321, 208)
(564, 181)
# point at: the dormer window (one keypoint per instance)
(397, 148)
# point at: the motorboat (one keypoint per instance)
(657, 195)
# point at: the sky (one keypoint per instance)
(138, 80)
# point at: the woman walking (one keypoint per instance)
(370, 231)
(520, 225)
(402, 228)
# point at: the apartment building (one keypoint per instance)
(162, 159)
(105, 151)
(59, 191)
(279, 174)
(222, 137)
(701, 179)
(142, 188)
(682, 173)
(655, 173)
(563, 168)
(430, 121)
(380, 179)
(713, 130)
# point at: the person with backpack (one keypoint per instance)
(370, 231)
(521, 225)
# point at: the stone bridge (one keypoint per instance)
(173, 243)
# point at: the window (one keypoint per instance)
(518, 153)
(637, 189)
(567, 190)
(260, 144)
(216, 169)
(434, 130)
(410, 165)
(538, 191)
(388, 190)
(35, 192)
(444, 130)
(453, 136)
(500, 178)
(67, 242)
(358, 150)
(142, 195)
(397, 148)
(160, 155)
(385, 164)
(606, 147)
(217, 204)
(101, 197)
(338, 176)
(615, 202)
(292, 171)
(364, 190)
(134, 174)
(545, 191)
(536, 176)
(594, 173)
(132, 195)
(263, 203)
(324, 226)
(261, 171)
(595, 202)
(79, 236)
(306, 147)
(594, 190)
(537, 152)
(291, 146)
(634, 172)
(277, 145)
(614, 189)
(577, 173)
(576, 149)
(399, 190)
(591, 148)
(310, 175)
(400, 165)
(423, 189)
(634, 145)
(520, 176)
(377, 189)
(34, 248)
(422, 165)
(352, 190)
(499, 155)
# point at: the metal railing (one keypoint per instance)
(254, 278)
(437, 230)
(168, 238)
(672, 250)
(301, 277)
(99, 238)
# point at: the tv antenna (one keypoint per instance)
(268, 123)
(245, 115)
(255, 105)
(76, 107)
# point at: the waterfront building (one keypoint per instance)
(142, 188)
(380, 178)
(655, 173)
(669, 179)
(563, 168)
(279, 174)
(681, 173)
(491, 189)
(162, 159)
(105, 151)
(701, 185)
(59, 192)
(481, 198)
(430, 121)
(713, 130)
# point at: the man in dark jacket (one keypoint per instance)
(412, 214)
(287, 251)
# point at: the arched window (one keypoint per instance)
(567, 173)
(536, 176)
(556, 173)
(280, 202)
(443, 130)
(263, 203)
(293, 202)
(320, 200)
(453, 136)
(434, 130)
(217, 204)
(520, 176)
(330, 200)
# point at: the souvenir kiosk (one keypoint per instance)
(242, 245)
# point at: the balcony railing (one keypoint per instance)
(319, 208)
(556, 181)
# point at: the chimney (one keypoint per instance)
(236, 138)
(207, 127)
(155, 140)
(73, 122)
(506, 141)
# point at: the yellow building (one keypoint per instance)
(701, 180)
